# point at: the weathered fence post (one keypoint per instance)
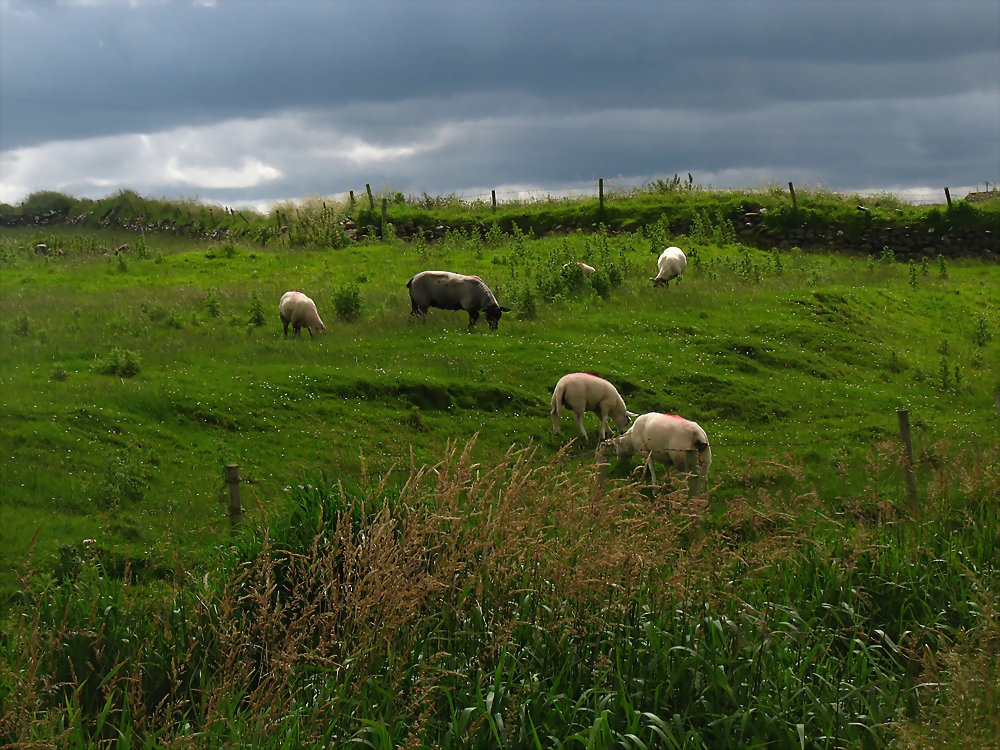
(371, 198)
(795, 202)
(691, 468)
(385, 205)
(494, 194)
(233, 481)
(912, 501)
(352, 200)
(600, 193)
(947, 196)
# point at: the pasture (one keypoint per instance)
(128, 382)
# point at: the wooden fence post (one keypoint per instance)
(385, 206)
(352, 200)
(600, 193)
(795, 203)
(233, 480)
(912, 501)
(691, 468)
(947, 196)
(371, 199)
(494, 192)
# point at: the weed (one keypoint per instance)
(601, 283)
(347, 302)
(981, 333)
(141, 249)
(158, 257)
(476, 244)
(523, 301)
(616, 275)
(59, 372)
(895, 363)
(925, 266)
(495, 236)
(942, 263)
(123, 363)
(21, 325)
(943, 348)
(944, 374)
(888, 256)
(126, 477)
(213, 302)
(913, 272)
(419, 243)
(175, 319)
(123, 262)
(258, 317)
(870, 264)
(958, 378)
(229, 250)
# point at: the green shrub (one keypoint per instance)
(213, 302)
(981, 334)
(942, 266)
(574, 279)
(141, 249)
(21, 325)
(257, 315)
(601, 283)
(523, 301)
(122, 262)
(347, 302)
(888, 256)
(175, 318)
(913, 272)
(123, 363)
(59, 372)
(495, 236)
(126, 477)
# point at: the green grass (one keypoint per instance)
(811, 362)
(127, 387)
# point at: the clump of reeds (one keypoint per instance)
(514, 604)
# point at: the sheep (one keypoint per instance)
(665, 438)
(297, 310)
(582, 392)
(453, 291)
(587, 270)
(671, 264)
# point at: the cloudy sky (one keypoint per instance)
(250, 101)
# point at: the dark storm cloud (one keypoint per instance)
(851, 94)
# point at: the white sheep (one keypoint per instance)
(587, 270)
(583, 392)
(665, 438)
(670, 265)
(297, 310)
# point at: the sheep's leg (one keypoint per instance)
(604, 425)
(310, 331)
(652, 471)
(286, 327)
(473, 317)
(578, 418)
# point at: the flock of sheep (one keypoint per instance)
(654, 436)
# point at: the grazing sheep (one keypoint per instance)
(671, 264)
(583, 392)
(665, 438)
(453, 291)
(297, 310)
(587, 270)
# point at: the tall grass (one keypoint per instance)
(517, 605)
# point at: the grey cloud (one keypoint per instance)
(850, 94)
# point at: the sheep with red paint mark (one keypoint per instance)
(582, 392)
(587, 270)
(665, 438)
(298, 311)
(671, 264)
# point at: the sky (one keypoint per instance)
(249, 102)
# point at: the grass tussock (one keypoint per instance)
(517, 605)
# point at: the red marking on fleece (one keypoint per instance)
(588, 375)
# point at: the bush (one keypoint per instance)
(123, 363)
(126, 477)
(59, 372)
(523, 302)
(981, 334)
(347, 302)
(213, 302)
(21, 325)
(615, 275)
(141, 249)
(257, 316)
(601, 283)
(574, 278)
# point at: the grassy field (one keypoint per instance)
(128, 382)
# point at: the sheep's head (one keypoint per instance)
(623, 445)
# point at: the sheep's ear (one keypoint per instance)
(630, 414)
(506, 309)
